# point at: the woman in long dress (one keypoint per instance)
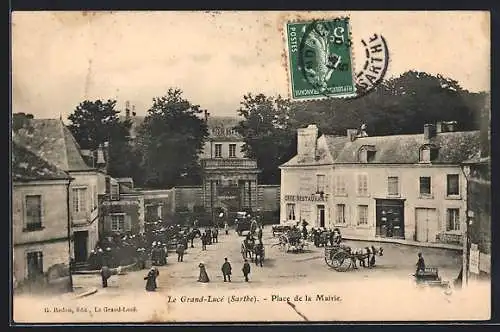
(151, 279)
(203, 274)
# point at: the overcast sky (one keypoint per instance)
(60, 59)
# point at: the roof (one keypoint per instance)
(124, 189)
(27, 166)
(52, 141)
(453, 148)
(226, 122)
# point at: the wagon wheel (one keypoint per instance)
(330, 261)
(342, 261)
(283, 243)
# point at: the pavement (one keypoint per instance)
(283, 277)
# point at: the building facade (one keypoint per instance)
(54, 142)
(41, 233)
(402, 186)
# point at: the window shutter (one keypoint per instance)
(107, 223)
(128, 223)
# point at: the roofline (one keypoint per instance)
(65, 179)
(377, 164)
(419, 134)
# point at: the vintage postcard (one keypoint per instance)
(250, 166)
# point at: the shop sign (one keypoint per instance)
(306, 198)
(474, 259)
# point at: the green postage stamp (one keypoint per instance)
(320, 59)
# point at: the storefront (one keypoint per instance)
(311, 208)
(390, 218)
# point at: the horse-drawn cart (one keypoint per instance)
(343, 258)
(291, 241)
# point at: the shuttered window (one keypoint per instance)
(33, 212)
(362, 184)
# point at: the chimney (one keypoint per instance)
(127, 109)
(306, 142)
(429, 131)
(439, 127)
(351, 134)
(449, 126)
(206, 115)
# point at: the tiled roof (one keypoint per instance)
(52, 141)
(27, 166)
(453, 148)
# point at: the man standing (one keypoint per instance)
(246, 270)
(420, 263)
(180, 252)
(226, 270)
(105, 274)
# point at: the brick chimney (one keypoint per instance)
(306, 142)
(351, 134)
(429, 131)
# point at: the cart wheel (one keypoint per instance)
(342, 261)
(330, 261)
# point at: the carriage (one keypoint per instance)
(253, 250)
(343, 258)
(430, 277)
(292, 241)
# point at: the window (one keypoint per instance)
(218, 150)
(232, 150)
(79, 199)
(34, 263)
(290, 211)
(452, 219)
(370, 156)
(119, 223)
(393, 185)
(320, 183)
(362, 214)
(115, 192)
(428, 153)
(363, 184)
(339, 185)
(340, 216)
(33, 212)
(452, 184)
(425, 185)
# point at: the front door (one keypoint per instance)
(321, 215)
(427, 224)
(80, 241)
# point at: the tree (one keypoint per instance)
(95, 122)
(20, 120)
(171, 137)
(267, 133)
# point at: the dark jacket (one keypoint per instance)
(420, 264)
(246, 268)
(226, 268)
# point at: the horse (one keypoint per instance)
(194, 233)
(366, 253)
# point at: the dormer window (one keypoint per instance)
(115, 191)
(428, 153)
(367, 154)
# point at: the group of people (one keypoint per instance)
(226, 271)
(209, 236)
(322, 236)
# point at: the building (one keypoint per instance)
(41, 232)
(402, 186)
(122, 208)
(53, 141)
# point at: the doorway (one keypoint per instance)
(80, 246)
(321, 215)
(426, 224)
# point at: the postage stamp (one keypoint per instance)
(320, 59)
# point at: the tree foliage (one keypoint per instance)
(20, 120)
(170, 138)
(400, 105)
(93, 123)
(268, 134)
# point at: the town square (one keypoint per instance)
(276, 168)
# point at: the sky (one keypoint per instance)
(60, 59)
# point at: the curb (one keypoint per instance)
(408, 243)
(89, 292)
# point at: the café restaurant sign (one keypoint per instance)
(306, 198)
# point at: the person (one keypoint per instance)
(304, 230)
(151, 279)
(215, 235)
(204, 241)
(105, 274)
(259, 233)
(226, 227)
(316, 237)
(246, 270)
(226, 270)
(420, 263)
(203, 274)
(180, 252)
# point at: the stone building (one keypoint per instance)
(402, 186)
(53, 141)
(40, 218)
